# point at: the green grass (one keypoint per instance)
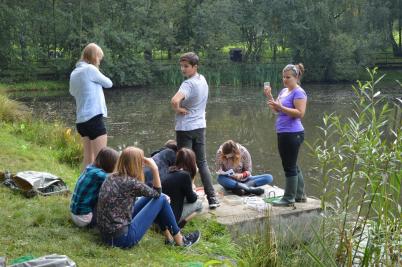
(42, 225)
(34, 85)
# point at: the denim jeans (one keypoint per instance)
(195, 140)
(229, 183)
(288, 145)
(146, 211)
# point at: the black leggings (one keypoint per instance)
(288, 145)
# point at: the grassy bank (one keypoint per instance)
(358, 169)
(34, 85)
(42, 225)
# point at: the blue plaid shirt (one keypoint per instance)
(86, 190)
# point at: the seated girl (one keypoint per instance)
(178, 185)
(232, 156)
(123, 222)
(85, 196)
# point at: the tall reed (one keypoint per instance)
(223, 73)
(360, 162)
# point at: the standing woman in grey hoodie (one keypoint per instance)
(86, 85)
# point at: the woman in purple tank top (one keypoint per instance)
(290, 107)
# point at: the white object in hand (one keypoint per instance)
(227, 173)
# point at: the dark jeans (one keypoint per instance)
(288, 145)
(195, 140)
(146, 211)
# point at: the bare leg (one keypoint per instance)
(189, 217)
(88, 155)
(178, 238)
(167, 235)
(97, 144)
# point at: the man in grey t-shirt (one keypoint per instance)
(189, 103)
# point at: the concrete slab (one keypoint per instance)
(249, 213)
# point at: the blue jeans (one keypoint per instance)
(229, 183)
(195, 140)
(146, 211)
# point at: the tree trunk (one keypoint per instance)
(395, 48)
(54, 30)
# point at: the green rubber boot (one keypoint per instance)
(300, 195)
(288, 198)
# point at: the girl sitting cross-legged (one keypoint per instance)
(122, 218)
(235, 157)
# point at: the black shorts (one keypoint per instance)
(92, 128)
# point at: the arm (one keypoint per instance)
(247, 164)
(218, 160)
(138, 188)
(268, 92)
(176, 100)
(97, 77)
(191, 196)
(297, 112)
(156, 181)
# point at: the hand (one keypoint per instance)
(237, 176)
(182, 111)
(275, 105)
(150, 163)
(267, 91)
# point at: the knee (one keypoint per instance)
(222, 180)
(163, 199)
(269, 178)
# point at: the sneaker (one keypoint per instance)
(191, 238)
(213, 202)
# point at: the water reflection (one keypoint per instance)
(143, 117)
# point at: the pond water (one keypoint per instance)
(143, 117)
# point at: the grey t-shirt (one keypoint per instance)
(195, 91)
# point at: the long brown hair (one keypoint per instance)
(185, 159)
(92, 54)
(131, 163)
(231, 147)
(106, 159)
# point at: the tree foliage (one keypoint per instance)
(334, 39)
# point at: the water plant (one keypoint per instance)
(360, 171)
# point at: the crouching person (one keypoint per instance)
(85, 196)
(122, 218)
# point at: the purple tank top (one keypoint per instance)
(285, 123)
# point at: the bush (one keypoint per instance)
(12, 111)
(55, 136)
